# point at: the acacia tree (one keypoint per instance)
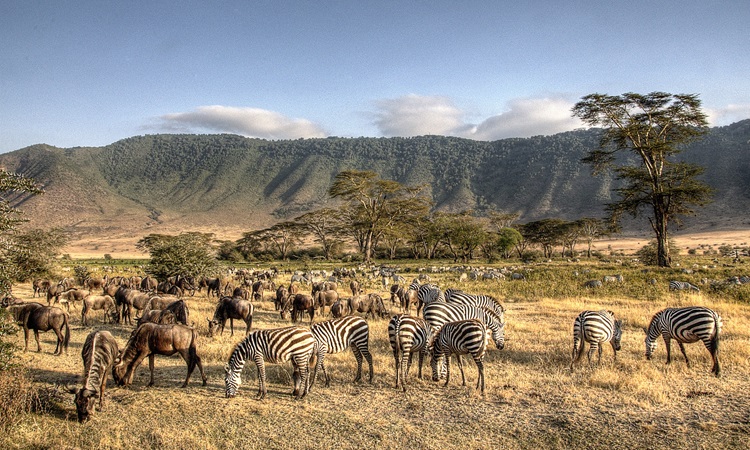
(324, 225)
(187, 254)
(375, 205)
(11, 184)
(654, 127)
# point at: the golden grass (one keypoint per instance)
(532, 400)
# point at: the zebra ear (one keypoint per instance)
(226, 368)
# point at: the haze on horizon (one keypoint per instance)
(90, 73)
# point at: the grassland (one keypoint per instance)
(532, 400)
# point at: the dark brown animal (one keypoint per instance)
(337, 309)
(302, 303)
(281, 294)
(40, 287)
(241, 292)
(53, 292)
(325, 298)
(354, 286)
(149, 284)
(213, 286)
(231, 308)
(99, 352)
(127, 299)
(160, 316)
(96, 303)
(35, 316)
(93, 283)
(72, 297)
(370, 305)
(152, 339)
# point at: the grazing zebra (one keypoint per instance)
(685, 325)
(592, 284)
(428, 294)
(408, 334)
(336, 335)
(438, 314)
(675, 285)
(459, 338)
(596, 328)
(275, 346)
(482, 301)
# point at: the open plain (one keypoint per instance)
(532, 399)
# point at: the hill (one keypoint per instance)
(228, 184)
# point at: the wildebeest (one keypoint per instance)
(40, 286)
(54, 292)
(354, 286)
(370, 304)
(325, 298)
(99, 352)
(231, 308)
(160, 316)
(302, 303)
(98, 302)
(71, 296)
(149, 284)
(337, 309)
(212, 285)
(92, 283)
(35, 316)
(127, 299)
(152, 339)
(281, 294)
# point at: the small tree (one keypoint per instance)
(654, 127)
(187, 254)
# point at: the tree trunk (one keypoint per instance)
(659, 224)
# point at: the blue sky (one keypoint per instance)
(84, 73)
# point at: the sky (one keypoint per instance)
(89, 73)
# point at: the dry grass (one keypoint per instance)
(532, 399)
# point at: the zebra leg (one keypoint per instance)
(368, 358)
(713, 348)
(447, 366)
(358, 357)
(593, 346)
(404, 368)
(302, 372)
(668, 345)
(261, 377)
(480, 380)
(682, 349)
(461, 368)
(599, 359)
(398, 366)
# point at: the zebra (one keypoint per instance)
(428, 294)
(592, 284)
(482, 301)
(336, 335)
(438, 314)
(675, 285)
(276, 346)
(459, 338)
(407, 335)
(685, 325)
(596, 328)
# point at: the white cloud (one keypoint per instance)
(728, 114)
(528, 117)
(252, 122)
(414, 115)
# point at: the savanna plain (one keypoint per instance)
(532, 399)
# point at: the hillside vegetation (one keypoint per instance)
(185, 181)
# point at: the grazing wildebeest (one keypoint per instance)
(394, 290)
(152, 339)
(91, 283)
(71, 296)
(337, 309)
(35, 316)
(281, 294)
(149, 284)
(231, 308)
(325, 298)
(302, 303)
(40, 286)
(354, 286)
(98, 302)
(54, 292)
(258, 289)
(127, 299)
(370, 304)
(213, 286)
(99, 353)
(160, 316)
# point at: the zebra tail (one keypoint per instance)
(717, 331)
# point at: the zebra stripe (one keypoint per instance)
(438, 314)
(275, 346)
(459, 338)
(482, 301)
(596, 328)
(682, 286)
(685, 325)
(407, 335)
(336, 335)
(427, 295)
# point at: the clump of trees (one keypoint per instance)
(187, 254)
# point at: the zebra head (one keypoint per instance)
(650, 344)
(498, 336)
(232, 381)
(617, 335)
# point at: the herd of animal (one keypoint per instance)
(447, 322)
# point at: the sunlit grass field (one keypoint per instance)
(532, 399)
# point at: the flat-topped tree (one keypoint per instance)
(654, 127)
